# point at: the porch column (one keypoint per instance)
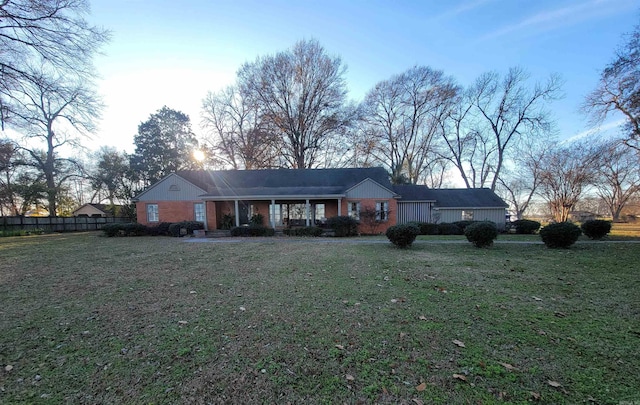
(237, 212)
(206, 225)
(308, 211)
(339, 206)
(273, 214)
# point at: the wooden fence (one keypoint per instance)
(57, 224)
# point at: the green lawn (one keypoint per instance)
(88, 319)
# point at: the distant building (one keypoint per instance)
(97, 210)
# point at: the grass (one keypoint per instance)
(87, 319)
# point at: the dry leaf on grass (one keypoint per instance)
(458, 343)
(340, 347)
(417, 401)
(421, 387)
(554, 384)
(423, 318)
(535, 396)
(460, 377)
(349, 377)
(508, 366)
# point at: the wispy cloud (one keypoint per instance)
(560, 17)
(462, 8)
(598, 129)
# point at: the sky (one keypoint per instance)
(173, 52)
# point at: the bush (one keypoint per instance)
(526, 226)
(481, 234)
(343, 226)
(449, 229)
(560, 235)
(256, 219)
(403, 235)
(162, 229)
(129, 229)
(306, 231)
(596, 228)
(463, 225)
(227, 221)
(252, 230)
(426, 228)
(175, 228)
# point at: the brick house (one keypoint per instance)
(285, 198)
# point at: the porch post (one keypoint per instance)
(237, 212)
(308, 211)
(206, 225)
(273, 214)
(339, 206)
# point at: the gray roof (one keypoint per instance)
(282, 182)
(451, 197)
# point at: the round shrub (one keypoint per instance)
(343, 226)
(560, 235)
(596, 228)
(481, 234)
(526, 226)
(449, 229)
(402, 235)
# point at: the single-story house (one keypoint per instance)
(96, 210)
(305, 197)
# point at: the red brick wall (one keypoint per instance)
(168, 211)
(371, 202)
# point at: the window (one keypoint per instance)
(198, 212)
(467, 215)
(277, 218)
(319, 212)
(354, 209)
(382, 210)
(152, 213)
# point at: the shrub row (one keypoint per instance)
(306, 231)
(343, 226)
(162, 229)
(252, 230)
(526, 226)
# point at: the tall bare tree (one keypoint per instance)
(236, 133)
(402, 118)
(617, 174)
(49, 32)
(565, 173)
(54, 113)
(618, 90)
(301, 94)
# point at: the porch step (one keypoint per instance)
(218, 233)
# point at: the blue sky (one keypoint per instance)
(172, 53)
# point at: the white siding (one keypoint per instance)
(369, 189)
(172, 188)
(496, 215)
(414, 211)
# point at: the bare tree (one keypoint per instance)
(519, 185)
(301, 94)
(509, 111)
(565, 173)
(54, 113)
(236, 133)
(49, 32)
(619, 90)
(402, 118)
(617, 175)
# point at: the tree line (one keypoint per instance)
(291, 110)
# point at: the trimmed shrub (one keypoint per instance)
(463, 225)
(560, 235)
(481, 234)
(189, 226)
(256, 219)
(426, 228)
(162, 229)
(596, 228)
(343, 226)
(526, 226)
(129, 229)
(449, 229)
(252, 230)
(403, 235)
(306, 231)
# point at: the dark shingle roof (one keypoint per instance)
(450, 197)
(271, 182)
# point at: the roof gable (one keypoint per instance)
(171, 188)
(368, 188)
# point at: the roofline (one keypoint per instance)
(272, 197)
(393, 193)
(469, 207)
(401, 200)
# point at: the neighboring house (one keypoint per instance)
(96, 210)
(296, 198)
(581, 216)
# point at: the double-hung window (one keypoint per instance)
(152, 213)
(382, 210)
(467, 215)
(354, 209)
(198, 212)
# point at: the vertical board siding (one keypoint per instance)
(496, 215)
(414, 211)
(368, 189)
